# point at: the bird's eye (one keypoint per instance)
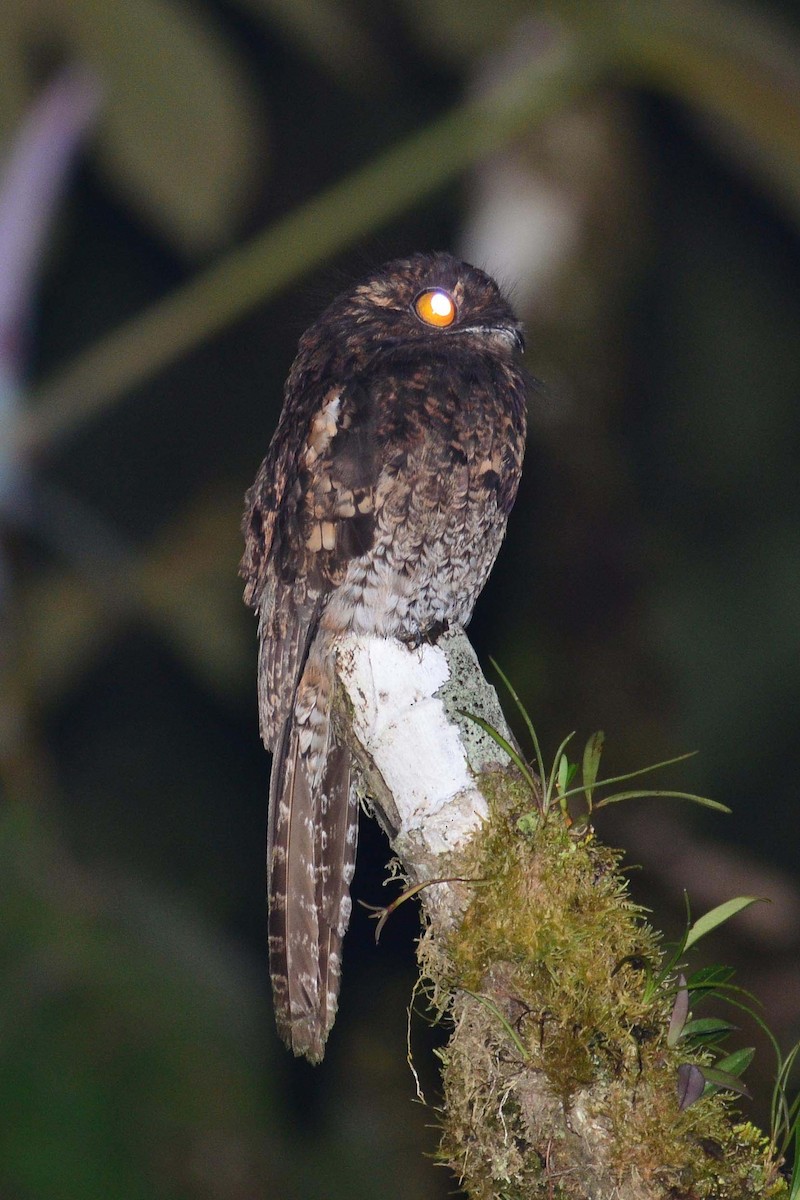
(436, 307)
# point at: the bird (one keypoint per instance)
(378, 510)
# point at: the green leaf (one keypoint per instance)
(591, 763)
(729, 1083)
(734, 1064)
(718, 916)
(794, 1183)
(667, 762)
(556, 764)
(704, 801)
(524, 714)
(563, 774)
(784, 1116)
(708, 977)
(504, 744)
(703, 1026)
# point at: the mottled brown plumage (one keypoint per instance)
(379, 508)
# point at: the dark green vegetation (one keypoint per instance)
(561, 1073)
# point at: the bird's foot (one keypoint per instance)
(427, 637)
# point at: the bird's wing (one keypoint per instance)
(308, 513)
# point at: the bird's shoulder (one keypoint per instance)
(311, 503)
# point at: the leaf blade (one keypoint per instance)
(592, 754)
(703, 801)
(718, 916)
(690, 1085)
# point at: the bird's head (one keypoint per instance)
(426, 300)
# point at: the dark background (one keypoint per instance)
(649, 584)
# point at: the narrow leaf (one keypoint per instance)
(495, 1011)
(680, 1011)
(734, 1064)
(691, 1083)
(668, 762)
(729, 1083)
(563, 774)
(504, 744)
(591, 763)
(704, 1026)
(784, 1116)
(794, 1183)
(556, 761)
(718, 916)
(708, 977)
(703, 801)
(524, 714)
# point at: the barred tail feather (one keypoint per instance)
(336, 842)
(313, 828)
(293, 921)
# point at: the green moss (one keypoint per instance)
(556, 1045)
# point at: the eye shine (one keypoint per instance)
(436, 307)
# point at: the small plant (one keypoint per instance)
(704, 1033)
(785, 1116)
(707, 1033)
(554, 786)
(702, 1036)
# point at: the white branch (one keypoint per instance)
(419, 755)
(521, 1105)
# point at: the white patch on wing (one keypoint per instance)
(323, 428)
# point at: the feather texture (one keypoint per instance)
(379, 508)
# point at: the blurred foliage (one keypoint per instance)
(635, 168)
(182, 135)
(130, 1037)
(333, 34)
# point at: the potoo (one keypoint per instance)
(379, 509)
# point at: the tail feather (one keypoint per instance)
(335, 853)
(313, 826)
(293, 918)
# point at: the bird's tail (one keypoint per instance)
(311, 850)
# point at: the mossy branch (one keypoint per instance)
(558, 1078)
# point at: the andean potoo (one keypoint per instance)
(379, 510)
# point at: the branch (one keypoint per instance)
(558, 1079)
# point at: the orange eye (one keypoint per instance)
(435, 307)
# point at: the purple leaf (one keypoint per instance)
(691, 1084)
(680, 1011)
